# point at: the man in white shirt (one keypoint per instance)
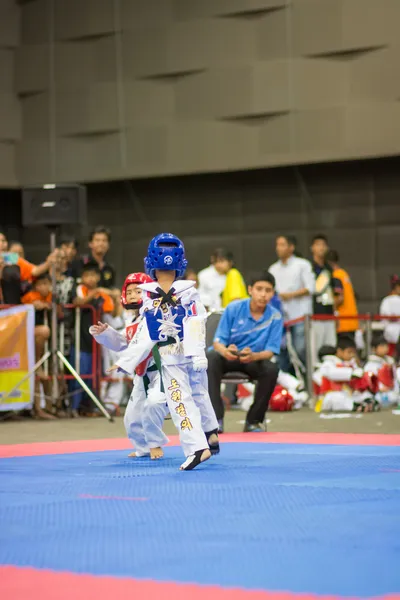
(390, 307)
(295, 284)
(212, 279)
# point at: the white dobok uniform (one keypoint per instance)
(385, 371)
(333, 377)
(175, 324)
(146, 409)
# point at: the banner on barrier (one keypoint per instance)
(17, 356)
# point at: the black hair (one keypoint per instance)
(319, 236)
(90, 266)
(222, 254)
(100, 229)
(326, 351)
(14, 242)
(67, 240)
(345, 342)
(42, 277)
(263, 276)
(377, 340)
(332, 256)
(394, 281)
(291, 239)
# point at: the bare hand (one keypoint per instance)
(286, 296)
(229, 352)
(99, 328)
(112, 369)
(246, 356)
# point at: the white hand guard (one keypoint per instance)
(200, 363)
(357, 373)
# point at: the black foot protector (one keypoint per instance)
(195, 459)
(213, 441)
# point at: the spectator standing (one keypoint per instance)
(324, 331)
(73, 265)
(295, 284)
(16, 248)
(88, 293)
(13, 277)
(247, 338)
(212, 279)
(235, 287)
(99, 244)
(390, 307)
(344, 297)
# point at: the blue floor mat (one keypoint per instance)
(316, 519)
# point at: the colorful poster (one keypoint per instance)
(17, 356)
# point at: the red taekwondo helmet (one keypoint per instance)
(133, 278)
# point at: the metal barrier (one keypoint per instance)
(95, 375)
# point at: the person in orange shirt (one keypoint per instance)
(88, 293)
(344, 298)
(12, 276)
(40, 297)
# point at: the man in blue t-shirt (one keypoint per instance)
(248, 336)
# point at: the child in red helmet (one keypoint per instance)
(144, 415)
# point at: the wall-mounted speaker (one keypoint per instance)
(54, 205)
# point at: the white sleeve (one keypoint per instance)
(111, 339)
(335, 373)
(372, 367)
(392, 328)
(137, 351)
(194, 324)
(308, 277)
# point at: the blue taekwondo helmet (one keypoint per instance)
(166, 252)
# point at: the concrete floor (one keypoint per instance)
(26, 431)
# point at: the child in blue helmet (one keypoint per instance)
(174, 327)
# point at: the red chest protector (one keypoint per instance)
(130, 332)
(386, 376)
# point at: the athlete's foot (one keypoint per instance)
(195, 459)
(156, 453)
(213, 441)
(137, 454)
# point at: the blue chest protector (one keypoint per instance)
(165, 319)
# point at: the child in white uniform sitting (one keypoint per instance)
(340, 382)
(383, 367)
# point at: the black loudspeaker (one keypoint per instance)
(54, 205)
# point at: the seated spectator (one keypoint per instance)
(340, 382)
(88, 293)
(383, 366)
(212, 280)
(247, 339)
(16, 248)
(344, 297)
(390, 307)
